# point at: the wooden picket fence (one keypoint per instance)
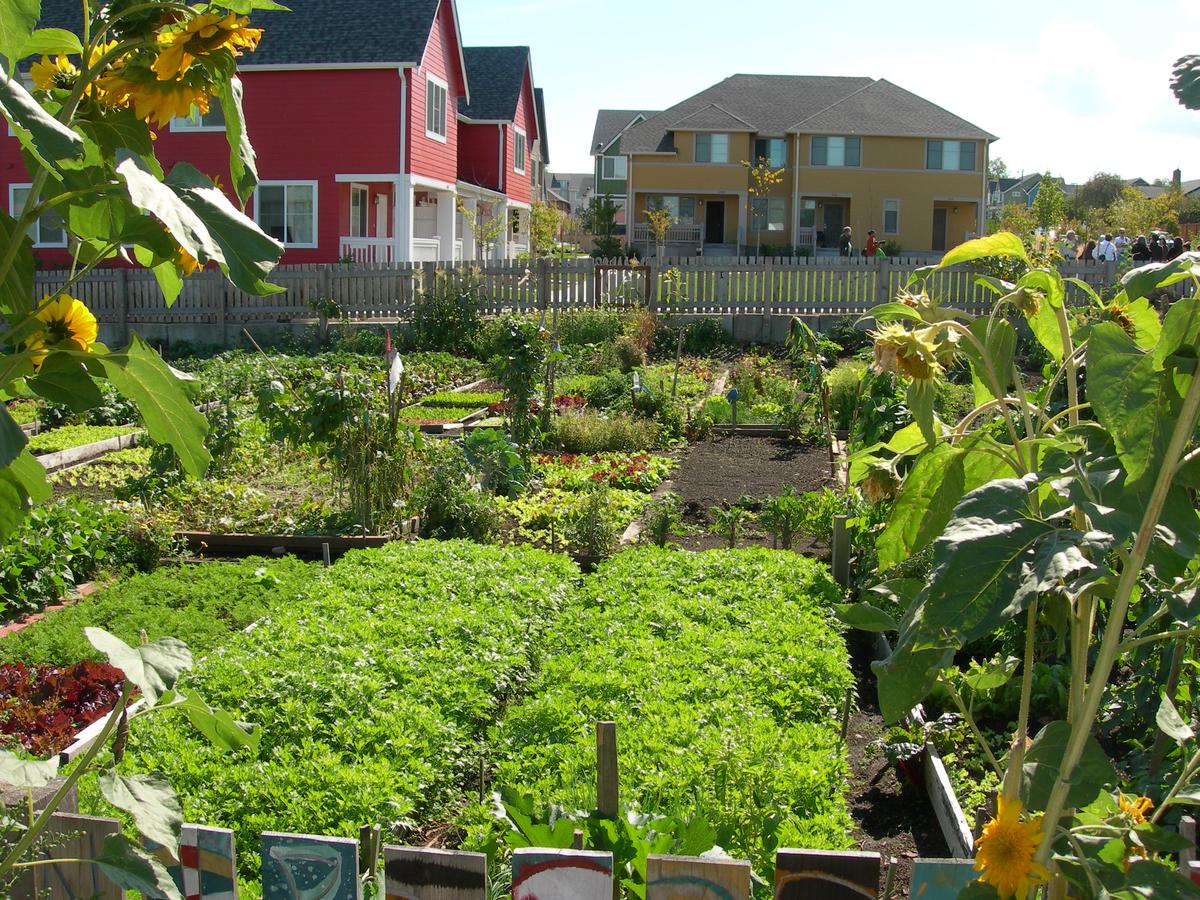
(127, 299)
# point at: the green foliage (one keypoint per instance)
(1050, 204)
(600, 220)
(845, 382)
(590, 432)
(582, 327)
(450, 507)
(497, 460)
(201, 605)
(595, 528)
(1185, 81)
(775, 780)
(607, 391)
(445, 315)
(729, 520)
(629, 355)
(465, 400)
(661, 519)
(701, 337)
(517, 366)
(70, 436)
(416, 647)
(784, 516)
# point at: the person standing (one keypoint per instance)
(1106, 250)
(1141, 250)
(1088, 253)
(1157, 251)
(845, 244)
(1122, 241)
(872, 244)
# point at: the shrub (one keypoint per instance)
(661, 518)
(701, 337)
(588, 326)
(594, 530)
(846, 334)
(629, 355)
(200, 605)
(589, 432)
(609, 390)
(445, 315)
(450, 506)
(843, 381)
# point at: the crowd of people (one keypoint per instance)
(1159, 247)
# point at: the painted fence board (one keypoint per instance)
(207, 864)
(686, 878)
(70, 880)
(941, 879)
(826, 875)
(416, 873)
(561, 874)
(303, 867)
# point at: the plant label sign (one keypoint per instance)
(826, 875)
(207, 864)
(689, 878)
(412, 873)
(302, 867)
(561, 875)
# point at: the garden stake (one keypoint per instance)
(890, 878)
(325, 554)
(846, 717)
(607, 798)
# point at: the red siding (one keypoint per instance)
(427, 156)
(479, 154)
(299, 123)
(517, 184)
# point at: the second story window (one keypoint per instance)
(615, 168)
(836, 151)
(773, 150)
(435, 108)
(213, 120)
(950, 156)
(48, 230)
(712, 148)
(519, 150)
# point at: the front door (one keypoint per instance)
(381, 216)
(834, 220)
(939, 229)
(714, 222)
(358, 210)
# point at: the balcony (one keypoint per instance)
(367, 250)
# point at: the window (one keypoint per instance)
(614, 167)
(808, 213)
(682, 209)
(619, 218)
(435, 108)
(773, 150)
(836, 151)
(712, 148)
(287, 211)
(519, 150)
(358, 210)
(213, 120)
(950, 156)
(47, 231)
(768, 213)
(891, 216)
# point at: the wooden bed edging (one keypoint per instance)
(77, 456)
(208, 541)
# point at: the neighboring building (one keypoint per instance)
(610, 176)
(1003, 192)
(855, 151)
(499, 147)
(577, 188)
(358, 112)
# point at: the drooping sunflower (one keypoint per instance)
(153, 100)
(1004, 854)
(66, 320)
(1135, 808)
(911, 353)
(187, 263)
(50, 74)
(200, 36)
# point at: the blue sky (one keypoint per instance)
(1073, 88)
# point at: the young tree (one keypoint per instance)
(762, 180)
(1185, 81)
(544, 224)
(1050, 204)
(600, 221)
(660, 224)
(997, 168)
(1100, 191)
(485, 225)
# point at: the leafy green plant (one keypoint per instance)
(517, 367)
(784, 516)
(845, 385)
(728, 522)
(595, 529)
(450, 506)
(70, 436)
(498, 462)
(589, 432)
(445, 314)
(661, 519)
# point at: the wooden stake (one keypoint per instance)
(841, 550)
(607, 798)
(846, 713)
(326, 559)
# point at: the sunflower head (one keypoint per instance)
(1116, 312)
(201, 36)
(1004, 853)
(914, 354)
(65, 321)
(57, 73)
(880, 483)
(154, 100)
(1134, 808)
(187, 263)
(1028, 300)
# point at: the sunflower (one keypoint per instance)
(1004, 854)
(66, 320)
(1135, 808)
(187, 263)
(59, 73)
(202, 35)
(911, 353)
(160, 101)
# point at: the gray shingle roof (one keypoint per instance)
(779, 104)
(317, 31)
(539, 100)
(496, 76)
(610, 123)
(712, 116)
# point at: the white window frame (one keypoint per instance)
(834, 137)
(605, 160)
(807, 204)
(186, 125)
(770, 140)
(430, 78)
(883, 225)
(521, 144)
(765, 216)
(316, 218)
(16, 214)
(365, 192)
(711, 135)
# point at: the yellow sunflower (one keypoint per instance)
(66, 320)
(911, 353)
(1004, 854)
(48, 74)
(1135, 808)
(202, 35)
(158, 101)
(187, 263)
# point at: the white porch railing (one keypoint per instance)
(679, 233)
(367, 250)
(515, 249)
(426, 249)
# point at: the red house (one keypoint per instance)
(356, 112)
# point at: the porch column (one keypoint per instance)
(471, 205)
(743, 212)
(447, 220)
(402, 220)
(501, 249)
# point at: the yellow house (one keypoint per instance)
(857, 152)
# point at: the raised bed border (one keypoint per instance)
(314, 544)
(87, 453)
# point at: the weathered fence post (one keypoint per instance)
(607, 796)
(428, 276)
(123, 303)
(543, 285)
(841, 550)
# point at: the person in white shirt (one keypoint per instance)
(1122, 241)
(1106, 250)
